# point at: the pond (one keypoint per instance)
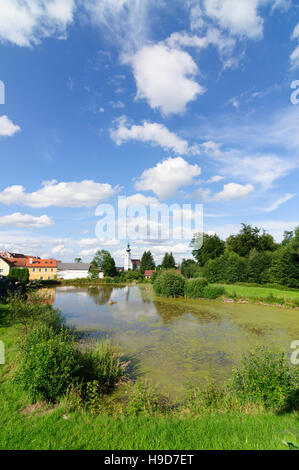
(175, 341)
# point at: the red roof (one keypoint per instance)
(40, 263)
(149, 272)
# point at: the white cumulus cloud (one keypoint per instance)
(238, 17)
(154, 133)
(165, 77)
(72, 194)
(233, 191)
(26, 22)
(19, 220)
(167, 177)
(61, 250)
(7, 127)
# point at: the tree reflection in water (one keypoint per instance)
(100, 295)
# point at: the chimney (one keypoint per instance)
(30, 260)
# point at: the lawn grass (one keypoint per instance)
(261, 293)
(59, 429)
(26, 426)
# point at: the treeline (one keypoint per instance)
(250, 256)
(104, 261)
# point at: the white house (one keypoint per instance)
(72, 270)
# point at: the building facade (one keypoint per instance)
(5, 266)
(72, 270)
(41, 269)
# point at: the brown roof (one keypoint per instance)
(19, 262)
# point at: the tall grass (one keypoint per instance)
(101, 361)
(262, 294)
(33, 313)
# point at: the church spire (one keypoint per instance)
(128, 262)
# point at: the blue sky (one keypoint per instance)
(161, 101)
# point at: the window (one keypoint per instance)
(40, 270)
(46, 270)
(49, 277)
(52, 269)
(41, 278)
(33, 269)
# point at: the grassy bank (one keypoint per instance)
(29, 424)
(268, 295)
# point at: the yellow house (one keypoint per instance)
(41, 269)
(5, 266)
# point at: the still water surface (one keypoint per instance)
(176, 341)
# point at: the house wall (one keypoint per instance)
(44, 274)
(4, 268)
(73, 274)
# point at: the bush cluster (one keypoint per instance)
(48, 363)
(170, 283)
(194, 288)
(266, 377)
(51, 362)
(200, 288)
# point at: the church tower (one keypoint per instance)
(128, 262)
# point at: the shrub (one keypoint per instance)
(19, 274)
(195, 287)
(48, 363)
(212, 396)
(265, 377)
(134, 275)
(213, 292)
(170, 284)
